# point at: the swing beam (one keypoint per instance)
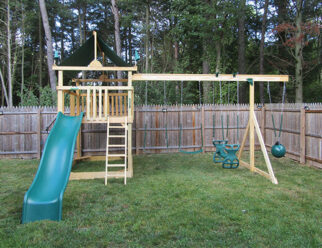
(209, 77)
(252, 126)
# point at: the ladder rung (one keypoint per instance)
(116, 136)
(121, 145)
(116, 155)
(116, 165)
(118, 127)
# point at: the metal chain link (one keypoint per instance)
(199, 93)
(164, 93)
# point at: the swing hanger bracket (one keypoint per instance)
(250, 81)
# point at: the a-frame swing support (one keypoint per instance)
(252, 126)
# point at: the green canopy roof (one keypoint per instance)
(84, 55)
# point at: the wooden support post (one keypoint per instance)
(100, 103)
(106, 104)
(72, 105)
(130, 113)
(251, 126)
(203, 129)
(79, 135)
(129, 147)
(94, 104)
(88, 105)
(302, 136)
(60, 93)
(39, 134)
(137, 132)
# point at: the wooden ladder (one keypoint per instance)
(122, 125)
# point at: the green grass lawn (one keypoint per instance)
(174, 200)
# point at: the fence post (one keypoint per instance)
(302, 136)
(39, 134)
(203, 128)
(137, 142)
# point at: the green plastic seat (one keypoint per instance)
(220, 154)
(231, 161)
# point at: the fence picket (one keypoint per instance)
(19, 127)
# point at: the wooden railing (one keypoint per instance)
(101, 102)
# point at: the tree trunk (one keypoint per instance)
(73, 41)
(218, 56)
(40, 53)
(14, 65)
(298, 54)
(176, 50)
(80, 26)
(4, 89)
(206, 70)
(22, 52)
(50, 57)
(130, 44)
(151, 52)
(115, 11)
(62, 36)
(261, 52)
(241, 48)
(9, 75)
(147, 37)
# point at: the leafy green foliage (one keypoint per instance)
(47, 96)
(29, 99)
(183, 34)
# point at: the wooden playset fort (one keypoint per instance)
(110, 100)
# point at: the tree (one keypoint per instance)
(9, 63)
(295, 36)
(241, 47)
(261, 51)
(50, 57)
(117, 35)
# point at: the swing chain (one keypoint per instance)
(282, 111)
(146, 92)
(199, 93)
(164, 93)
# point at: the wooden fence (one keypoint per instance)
(156, 129)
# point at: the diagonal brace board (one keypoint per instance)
(264, 151)
(270, 175)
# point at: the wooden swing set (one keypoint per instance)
(252, 126)
(115, 105)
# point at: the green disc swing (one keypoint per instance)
(226, 153)
(181, 129)
(278, 150)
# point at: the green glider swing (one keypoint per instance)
(226, 153)
(181, 129)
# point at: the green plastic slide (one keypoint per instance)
(44, 199)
